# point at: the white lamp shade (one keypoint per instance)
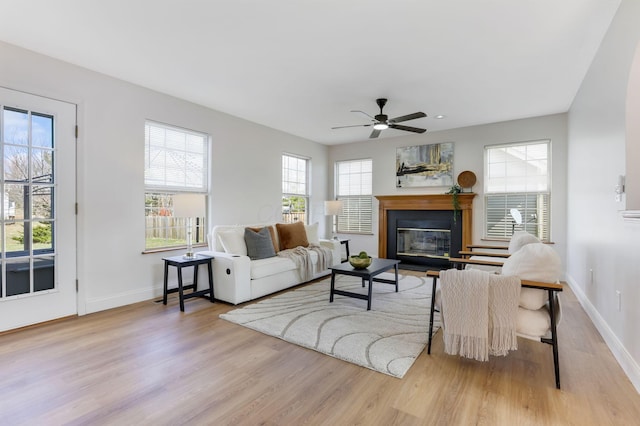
(188, 205)
(515, 214)
(333, 207)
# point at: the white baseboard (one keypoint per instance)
(626, 361)
(103, 303)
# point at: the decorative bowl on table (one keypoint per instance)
(360, 262)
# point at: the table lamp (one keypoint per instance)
(189, 206)
(333, 208)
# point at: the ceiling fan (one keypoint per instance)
(381, 121)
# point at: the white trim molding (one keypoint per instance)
(631, 215)
(626, 361)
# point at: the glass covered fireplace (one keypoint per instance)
(423, 242)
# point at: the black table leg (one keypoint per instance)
(180, 289)
(370, 293)
(195, 278)
(396, 267)
(333, 286)
(433, 305)
(211, 297)
(166, 272)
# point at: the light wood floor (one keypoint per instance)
(150, 364)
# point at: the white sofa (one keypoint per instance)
(237, 278)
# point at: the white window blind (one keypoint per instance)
(354, 187)
(517, 189)
(175, 159)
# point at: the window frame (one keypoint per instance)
(159, 196)
(290, 194)
(529, 192)
(350, 221)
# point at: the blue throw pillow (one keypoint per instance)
(259, 244)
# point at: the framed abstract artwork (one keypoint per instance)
(424, 165)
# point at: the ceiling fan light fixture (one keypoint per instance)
(381, 126)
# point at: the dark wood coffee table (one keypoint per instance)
(377, 267)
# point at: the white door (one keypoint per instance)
(37, 212)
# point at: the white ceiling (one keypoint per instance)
(301, 66)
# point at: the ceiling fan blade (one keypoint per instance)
(407, 128)
(355, 125)
(374, 134)
(408, 117)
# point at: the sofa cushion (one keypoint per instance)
(259, 244)
(272, 232)
(533, 323)
(292, 235)
(233, 241)
(273, 265)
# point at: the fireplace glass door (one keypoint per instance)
(423, 242)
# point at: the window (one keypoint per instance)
(176, 162)
(295, 188)
(517, 189)
(354, 187)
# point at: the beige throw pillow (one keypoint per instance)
(312, 233)
(232, 241)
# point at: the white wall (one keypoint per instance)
(245, 182)
(599, 240)
(469, 143)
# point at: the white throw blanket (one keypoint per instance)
(301, 256)
(479, 312)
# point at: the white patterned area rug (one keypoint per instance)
(388, 338)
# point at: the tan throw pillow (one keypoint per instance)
(292, 235)
(272, 232)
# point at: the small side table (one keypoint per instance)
(181, 262)
(345, 243)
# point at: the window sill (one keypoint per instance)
(632, 216)
(176, 248)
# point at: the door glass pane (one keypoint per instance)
(42, 130)
(42, 198)
(16, 126)
(42, 237)
(16, 163)
(14, 239)
(43, 273)
(18, 277)
(14, 201)
(42, 165)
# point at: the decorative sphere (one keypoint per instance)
(359, 262)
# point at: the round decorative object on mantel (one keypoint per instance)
(466, 179)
